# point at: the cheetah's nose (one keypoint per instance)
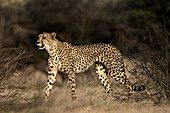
(38, 42)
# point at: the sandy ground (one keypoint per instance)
(29, 93)
(87, 102)
(90, 100)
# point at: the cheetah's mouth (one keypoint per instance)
(41, 47)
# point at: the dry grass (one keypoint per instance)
(90, 100)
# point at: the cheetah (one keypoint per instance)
(75, 59)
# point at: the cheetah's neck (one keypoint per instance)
(56, 48)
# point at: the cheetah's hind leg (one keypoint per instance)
(102, 76)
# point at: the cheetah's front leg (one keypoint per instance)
(71, 77)
(52, 72)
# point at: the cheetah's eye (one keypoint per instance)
(43, 37)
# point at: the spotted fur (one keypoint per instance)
(75, 59)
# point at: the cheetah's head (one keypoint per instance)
(45, 40)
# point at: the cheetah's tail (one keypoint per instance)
(131, 87)
(138, 88)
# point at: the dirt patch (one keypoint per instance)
(27, 96)
(90, 100)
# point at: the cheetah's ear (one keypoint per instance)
(53, 35)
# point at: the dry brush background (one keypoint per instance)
(141, 34)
